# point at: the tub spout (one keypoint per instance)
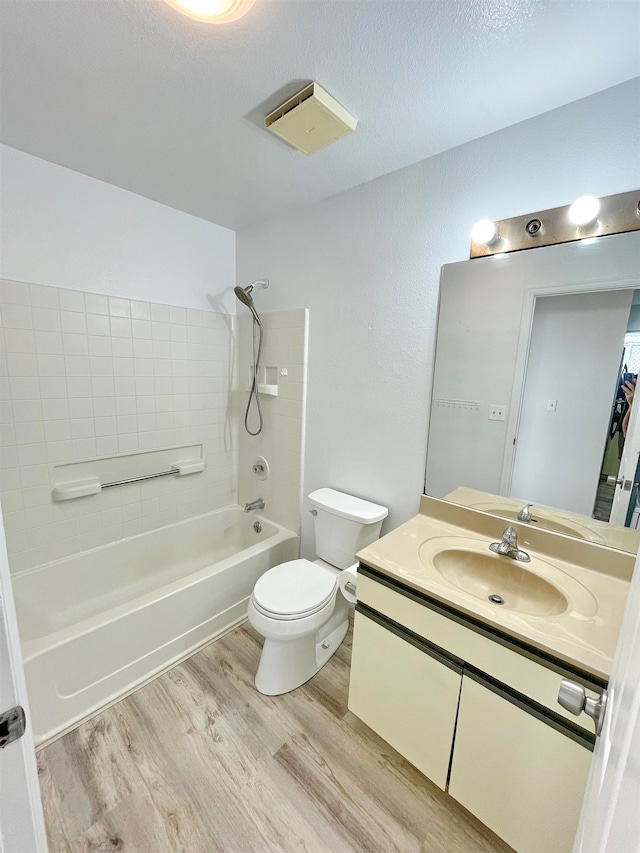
(257, 504)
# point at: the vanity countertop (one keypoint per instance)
(594, 580)
(622, 538)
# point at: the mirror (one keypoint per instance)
(530, 348)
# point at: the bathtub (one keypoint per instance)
(98, 625)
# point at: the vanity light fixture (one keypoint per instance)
(212, 11)
(485, 232)
(588, 218)
(584, 210)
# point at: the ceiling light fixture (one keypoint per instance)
(213, 11)
(584, 210)
(484, 231)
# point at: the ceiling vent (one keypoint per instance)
(311, 120)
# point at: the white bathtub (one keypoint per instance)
(97, 625)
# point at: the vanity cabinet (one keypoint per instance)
(474, 709)
(522, 778)
(407, 693)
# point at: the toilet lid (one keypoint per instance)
(296, 588)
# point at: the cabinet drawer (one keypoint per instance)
(519, 776)
(405, 695)
(475, 645)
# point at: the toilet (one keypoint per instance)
(297, 606)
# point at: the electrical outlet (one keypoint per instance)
(497, 412)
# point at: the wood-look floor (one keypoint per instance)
(198, 761)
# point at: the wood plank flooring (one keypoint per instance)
(199, 762)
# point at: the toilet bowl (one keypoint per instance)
(298, 607)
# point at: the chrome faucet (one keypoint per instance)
(525, 514)
(257, 504)
(509, 547)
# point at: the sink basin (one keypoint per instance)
(503, 581)
(541, 520)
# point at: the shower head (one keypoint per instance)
(244, 295)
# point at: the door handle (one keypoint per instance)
(573, 698)
(619, 481)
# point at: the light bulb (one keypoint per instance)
(584, 210)
(213, 11)
(484, 231)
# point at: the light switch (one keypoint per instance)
(552, 405)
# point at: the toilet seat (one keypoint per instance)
(294, 590)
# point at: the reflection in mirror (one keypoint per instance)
(534, 373)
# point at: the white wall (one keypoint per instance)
(61, 228)
(574, 359)
(367, 263)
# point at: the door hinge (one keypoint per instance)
(12, 725)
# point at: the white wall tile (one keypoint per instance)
(107, 445)
(72, 322)
(78, 386)
(98, 324)
(140, 310)
(55, 410)
(121, 327)
(119, 307)
(19, 340)
(90, 375)
(142, 348)
(48, 342)
(122, 347)
(96, 304)
(52, 386)
(80, 407)
(75, 344)
(46, 319)
(71, 300)
(17, 317)
(22, 364)
(26, 410)
(43, 297)
(141, 328)
(51, 365)
(104, 406)
(99, 346)
(101, 366)
(57, 430)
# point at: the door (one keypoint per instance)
(610, 819)
(21, 820)
(627, 471)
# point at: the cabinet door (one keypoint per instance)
(406, 695)
(522, 778)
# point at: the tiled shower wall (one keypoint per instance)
(84, 375)
(282, 440)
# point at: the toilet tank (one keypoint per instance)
(344, 524)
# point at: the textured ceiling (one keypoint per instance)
(137, 95)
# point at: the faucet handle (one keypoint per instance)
(510, 535)
(525, 513)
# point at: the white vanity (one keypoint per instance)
(466, 687)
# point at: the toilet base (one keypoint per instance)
(288, 663)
